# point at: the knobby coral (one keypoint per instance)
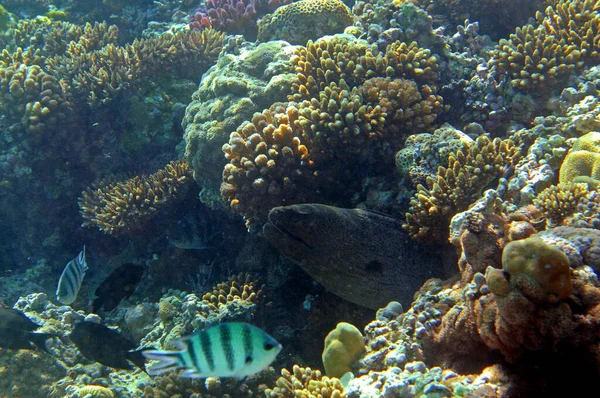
(305, 382)
(116, 208)
(564, 38)
(458, 185)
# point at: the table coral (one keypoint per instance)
(116, 208)
(299, 22)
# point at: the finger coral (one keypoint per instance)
(458, 185)
(565, 36)
(299, 22)
(305, 382)
(267, 160)
(558, 202)
(237, 287)
(122, 207)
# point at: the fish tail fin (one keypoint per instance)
(39, 339)
(167, 361)
(138, 359)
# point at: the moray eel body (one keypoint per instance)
(361, 256)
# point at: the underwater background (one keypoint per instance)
(403, 194)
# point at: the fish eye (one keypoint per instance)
(269, 346)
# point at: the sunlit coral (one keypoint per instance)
(458, 185)
(117, 208)
(305, 383)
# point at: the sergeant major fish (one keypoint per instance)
(71, 279)
(230, 349)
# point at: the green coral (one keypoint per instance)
(4, 18)
(343, 345)
(583, 160)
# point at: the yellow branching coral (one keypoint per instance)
(409, 109)
(305, 383)
(95, 391)
(558, 202)
(458, 185)
(331, 59)
(237, 287)
(565, 36)
(267, 160)
(122, 207)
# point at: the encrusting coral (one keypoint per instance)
(116, 208)
(304, 20)
(458, 185)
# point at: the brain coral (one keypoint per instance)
(583, 160)
(299, 22)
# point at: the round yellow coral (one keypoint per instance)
(583, 160)
(343, 345)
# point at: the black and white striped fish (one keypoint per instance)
(226, 350)
(71, 278)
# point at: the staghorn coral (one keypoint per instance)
(304, 20)
(458, 185)
(564, 38)
(305, 383)
(559, 202)
(122, 207)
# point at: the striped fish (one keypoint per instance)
(230, 349)
(71, 278)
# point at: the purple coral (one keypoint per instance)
(233, 16)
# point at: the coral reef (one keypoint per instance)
(117, 208)
(305, 382)
(305, 20)
(458, 185)
(242, 82)
(233, 16)
(350, 105)
(582, 159)
(537, 57)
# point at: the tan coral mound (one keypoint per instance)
(126, 206)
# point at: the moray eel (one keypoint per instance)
(359, 255)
